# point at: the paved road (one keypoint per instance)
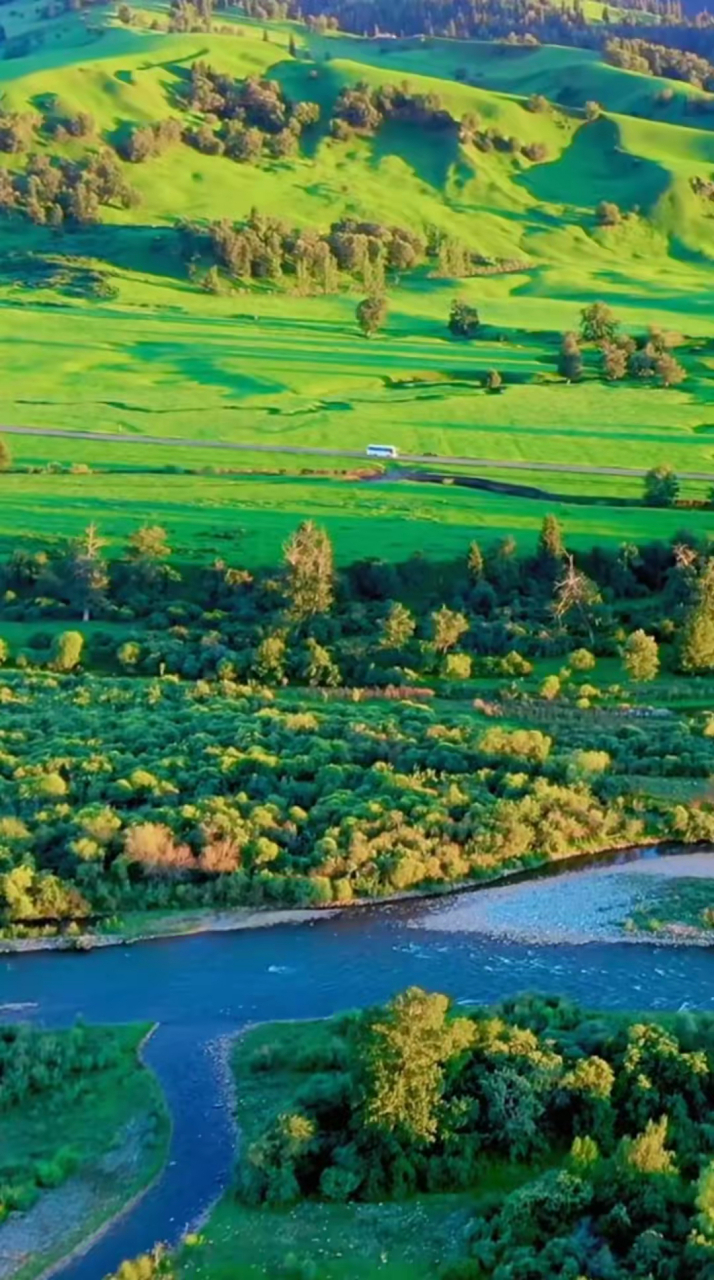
(307, 451)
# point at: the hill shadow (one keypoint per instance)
(431, 153)
(595, 167)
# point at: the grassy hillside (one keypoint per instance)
(265, 365)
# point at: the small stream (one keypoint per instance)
(205, 988)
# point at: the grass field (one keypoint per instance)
(246, 519)
(267, 366)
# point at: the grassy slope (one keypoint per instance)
(405, 1240)
(166, 359)
(124, 1108)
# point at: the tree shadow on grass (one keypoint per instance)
(430, 153)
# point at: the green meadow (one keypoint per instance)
(264, 365)
(245, 519)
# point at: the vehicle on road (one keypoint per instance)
(382, 451)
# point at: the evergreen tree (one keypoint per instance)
(309, 571)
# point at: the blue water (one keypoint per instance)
(203, 988)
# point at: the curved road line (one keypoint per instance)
(311, 451)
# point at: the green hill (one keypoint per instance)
(148, 350)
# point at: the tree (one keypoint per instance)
(149, 544)
(697, 640)
(475, 562)
(404, 1050)
(614, 362)
(464, 319)
(494, 381)
(641, 656)
(86, 572)
(372, 314)
(669, 371)
(448, 627)
(570, 360)
(647, 1152)
(550, 542)
(319, 668)
(270, 659)
(661, 487)
(67, 650)
(597, 323)
(147, 555)
(705, 1201)
(592, 110)
(575, 591)
(309, 571)
(397, 628)
(212, 282)
(5, 456)
(608, 214)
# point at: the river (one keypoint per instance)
(204, 988)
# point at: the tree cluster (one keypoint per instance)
(57, 192)
(659, 60)
(611, 1113)
(245, 119)
(270, 249)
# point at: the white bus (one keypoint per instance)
(382, 451)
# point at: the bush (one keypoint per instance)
(67, 649)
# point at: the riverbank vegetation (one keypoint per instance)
(126, 795)
(682, 909)
(530, 1140)
(84, 1128)
(304, 735)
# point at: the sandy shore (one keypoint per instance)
(178, 926)
(577, 907)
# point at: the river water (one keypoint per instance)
(204, 988)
